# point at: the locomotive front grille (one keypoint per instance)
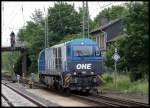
(83, 81)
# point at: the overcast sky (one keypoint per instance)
(13, 18)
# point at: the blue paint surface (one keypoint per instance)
(86, 41)
(70, 58)
(41, 61)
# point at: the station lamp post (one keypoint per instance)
(12, 40)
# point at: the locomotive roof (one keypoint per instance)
(81, 41)
(62, 44)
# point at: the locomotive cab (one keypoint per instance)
(84, 63)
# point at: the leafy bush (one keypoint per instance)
(124, 83)
(133, 46)
(139, 72)
(107, 78)
(139, 86)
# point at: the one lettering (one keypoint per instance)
(83, 66)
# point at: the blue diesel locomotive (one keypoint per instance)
(73, 65)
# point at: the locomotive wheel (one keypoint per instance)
(55, 86)
(87, 92)
(61, 89)
(67, 92)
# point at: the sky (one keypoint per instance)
(13, 18)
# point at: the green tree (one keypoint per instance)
(109, 14)
(63, 20)
(133, 45)
(8, 60)
(37, 17)
(136, 52)
(119, 43)
(33, 34)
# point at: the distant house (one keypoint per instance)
(107, 33)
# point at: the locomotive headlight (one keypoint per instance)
(83, 72)
(82, 43)
(92, 73)
(74, 73)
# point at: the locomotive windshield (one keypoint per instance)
(82, 50)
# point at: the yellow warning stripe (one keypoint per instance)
(67, 79)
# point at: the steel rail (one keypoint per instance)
(25, 96)
(107, 101)
(8, 102)
(124, 101)
(99, 101)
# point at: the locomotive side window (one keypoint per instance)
(55, 56)
(68, 51)
(82, 50)
(97, 53)
(59, 57)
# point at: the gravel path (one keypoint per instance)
(4, 102)
(37, 97)
(15, 98)
(61, 100)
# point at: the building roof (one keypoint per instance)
(105, 26)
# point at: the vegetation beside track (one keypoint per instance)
(124, 84)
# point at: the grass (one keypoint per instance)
(6, 72)
(124, 84)
(139, 86)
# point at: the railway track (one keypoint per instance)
(5, 101)
(109, 101)
(124, 101)
(16, 98)
(99, 100)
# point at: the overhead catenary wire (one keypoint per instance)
(11, 21)
(10, 24)
(3, 13)
(13, 17)
(12, 13)
(83, 18)
(46, 28)
(104, 6)
(87, 17)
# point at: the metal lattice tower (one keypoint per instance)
(85, 19)
(46, 30)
